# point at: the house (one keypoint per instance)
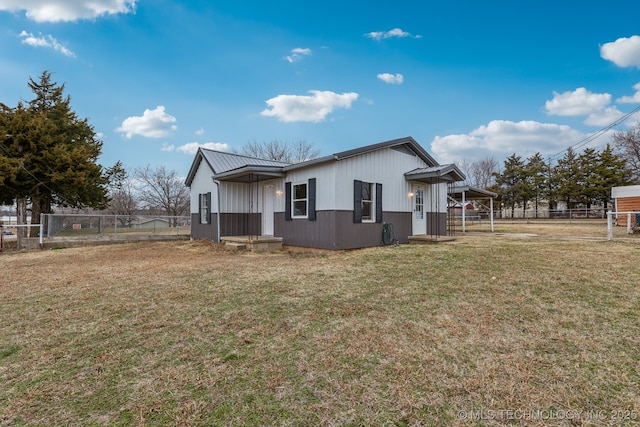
(626, 199)
(340, 201)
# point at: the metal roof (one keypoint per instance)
(436, 173)
(406, 143)
(471, 192)
(224, 163)
(236, 167)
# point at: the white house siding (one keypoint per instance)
(325, 184)
(383, 166)
(202, 183)
(436, 198)
(625, 191)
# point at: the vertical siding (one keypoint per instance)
(202, 183)
(627, 204)
(325, 184)
(383, 166)
(436, 198)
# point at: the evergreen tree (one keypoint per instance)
(51, 156)
(510, 182)
(612, 171)
(566, 179)
(589, 177)
(537, 180)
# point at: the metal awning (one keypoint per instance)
(250, 174)
(462, 193)
(471, 193)
(434, 174)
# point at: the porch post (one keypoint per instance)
(464, 214)
(491, 211)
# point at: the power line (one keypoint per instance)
(597, 134)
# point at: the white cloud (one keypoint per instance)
(47, 41)
(580, 102)
(298, 53)
(168, 147)
(635, 99)
(395, 33)
(199, 132)
(152, 124)
(393, 79)
(501, 138)
(624, 52)
(67, 10)
(604, 117)
(192, 147)
(302, 108)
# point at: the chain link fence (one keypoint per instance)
(88, 226)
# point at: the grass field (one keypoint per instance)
(486, 330)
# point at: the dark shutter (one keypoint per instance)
(378, 203)
(209, 213)
(200, 208)
(311, 194)
(357, 201)
(287, 201)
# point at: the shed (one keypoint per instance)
(626, 199)
(155, 223)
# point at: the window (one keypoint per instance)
(205, 207)
(367, 201)
(299, 200)
(419, 209)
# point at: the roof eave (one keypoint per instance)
(246, 173)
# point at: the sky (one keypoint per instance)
(468, 80)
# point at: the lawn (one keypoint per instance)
(486, 330)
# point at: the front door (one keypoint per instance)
(419, 222)
(267, 210)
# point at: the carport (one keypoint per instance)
(465, 193)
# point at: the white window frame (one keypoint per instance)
(305, 200)
(371, 202)
(419, 204)
(204, 208)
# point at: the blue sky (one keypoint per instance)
(467, 79)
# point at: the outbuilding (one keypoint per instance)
(626, 199)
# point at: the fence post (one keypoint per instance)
(628, 222)
(41, 230)
(610, 224)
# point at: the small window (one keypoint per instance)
(419, 195)
(367, 201)
(299, 201)
(204, 208)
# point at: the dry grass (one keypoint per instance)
(184, 333)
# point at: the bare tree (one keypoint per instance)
(124, 201)
(162, 188)
(483, 172)
(289, 152)
(480, 173)
(627, 143)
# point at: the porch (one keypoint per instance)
(423, 239)
(252, 243)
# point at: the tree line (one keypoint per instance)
(577, 179)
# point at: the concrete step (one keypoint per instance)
(235, 246)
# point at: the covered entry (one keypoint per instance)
(429, 198)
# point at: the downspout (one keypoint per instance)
(218, 208)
